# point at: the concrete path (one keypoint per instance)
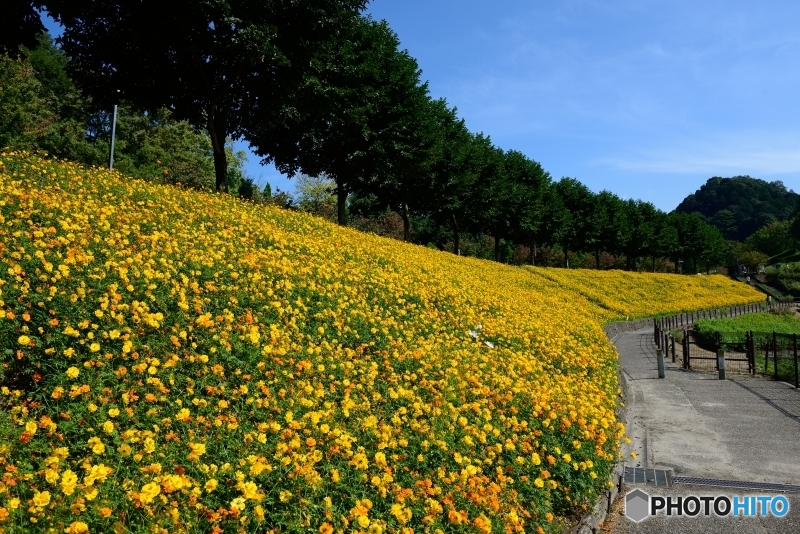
(744, 428)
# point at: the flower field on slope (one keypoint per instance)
(622, 294)
(175, 361)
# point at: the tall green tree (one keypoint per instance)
(530, 182)
(493, 196)
(606, 225)
(360, 117)
(575, 209)
(453, 174)
(210, 61)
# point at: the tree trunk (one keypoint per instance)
(341, 203)
(597, 258)
(218, 132)
(566, 256)
(456, 238)
(406, 222)
(533, 252)
(654, 263)
(497, 247)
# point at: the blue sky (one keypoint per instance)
(645, 98)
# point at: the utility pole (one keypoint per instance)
(113, 133)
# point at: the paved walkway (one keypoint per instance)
(744, 428)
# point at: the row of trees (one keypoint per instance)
(320, 89)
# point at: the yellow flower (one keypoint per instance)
(113, 412)
(94, 347)
(68, 481)
(249, 490)
(97, 445)
(24, 340)
(30, 427)
(211, 485)
(77, 527)
(149, 492)
(285, 496)
(238, 504)
(539, 483)
(41, 499)
(73, 372)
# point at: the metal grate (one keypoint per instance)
(648, 477)
(766, 486)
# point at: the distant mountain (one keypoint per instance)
(740, 205)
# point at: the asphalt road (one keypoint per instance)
(743, 429)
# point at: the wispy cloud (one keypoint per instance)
(754, 155)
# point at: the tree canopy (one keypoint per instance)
(740, 205)
(209, 62)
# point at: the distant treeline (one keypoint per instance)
(321, 90)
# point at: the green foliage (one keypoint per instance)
(733, 329)
(773, 239)
(741, 205)
(24, 112)
(20, 25)
(316, 194)
(212, 62)
(155, 147)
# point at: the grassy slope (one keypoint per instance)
(185, 361)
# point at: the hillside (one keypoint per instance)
(176, 361)
(741, 205)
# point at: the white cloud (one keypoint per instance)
(755, 154)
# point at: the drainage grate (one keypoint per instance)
(764, 486)
(649, 477)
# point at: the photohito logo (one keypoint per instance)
(639, 505)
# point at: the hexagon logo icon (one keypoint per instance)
(637, 505)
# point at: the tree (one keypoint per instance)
(794, 228)
(773, 240)
(575, 208)
(23, 111)
(20, 25)
(317, 195)
(491, 205)
(452, 173)
(209, 62)
(360, 117)
(740, 205)
(606, 225)
(530, 182)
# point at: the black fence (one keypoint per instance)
(777, 356)
(768, 353)
(680, 320)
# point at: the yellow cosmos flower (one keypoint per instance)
(77, 527)
(41, 499)
(73, 372)
(149, 492)
(24, 340)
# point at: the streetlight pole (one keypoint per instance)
(113, 133)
